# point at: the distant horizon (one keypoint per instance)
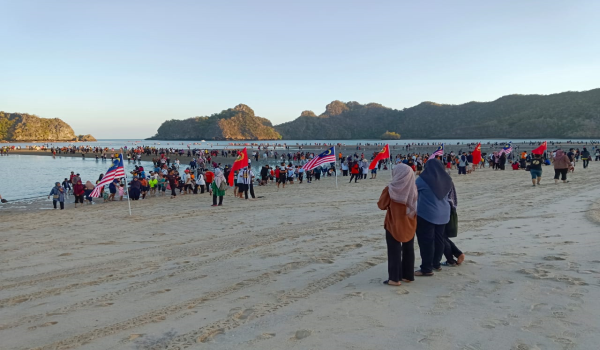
(123, 68)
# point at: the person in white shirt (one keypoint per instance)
(200, 181)
(244, 181)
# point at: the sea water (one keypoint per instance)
(208, 144)
(24, 177)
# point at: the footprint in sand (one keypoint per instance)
(301, 334)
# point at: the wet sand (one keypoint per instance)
(301, 268)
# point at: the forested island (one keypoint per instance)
(562, 115)
(28, 127)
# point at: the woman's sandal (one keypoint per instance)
(419, 273)
(394, 285)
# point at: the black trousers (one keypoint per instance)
(355, 177)
(344, 172)
(401, 259)
(451, 251)
(586, 162)
(251, 191)
(79, 199)
(62, 204)
(432, 241)
(215, 200)
(201, 187)
(560, 172)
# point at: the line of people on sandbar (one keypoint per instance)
(425, 207)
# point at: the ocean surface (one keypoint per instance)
(30, 177)
(119, 143)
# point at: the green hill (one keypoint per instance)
(563, 115)
(237, 123)
(26, 127)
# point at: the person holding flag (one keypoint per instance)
(383, 154)
(116, 171)
(240, 163)
(438, 152)
(476, 154)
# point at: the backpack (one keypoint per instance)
(223, 186)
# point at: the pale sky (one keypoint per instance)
(118, 69)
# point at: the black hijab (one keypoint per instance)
(437, 178)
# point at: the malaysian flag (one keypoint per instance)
(506, 149)
(438, 152)
(325, 157)
(114, 172)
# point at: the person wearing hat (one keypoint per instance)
(58, 195)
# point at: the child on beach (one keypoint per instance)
(121, 191)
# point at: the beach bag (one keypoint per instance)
(452, 225)
(55, 196)
(223, 186)
(528, 167)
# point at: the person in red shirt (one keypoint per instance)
(354, 172)
(210, 176)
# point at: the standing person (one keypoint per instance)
(89, 187)
(282, 175)
(219, 185)
(462, 164)
(399, 198)
(251, 185)
(200, 182)
(451, 251)
(562, 163)
(585, 157)
(78, 192)
(97, 182)
(172, 178)
(433, 213)
(58, 195)
(66, 184)
(135, 189)
(354, 172)
(209, 177)
(535, 169)
(243, 182)
(112, 189)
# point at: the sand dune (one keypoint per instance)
(302, 268)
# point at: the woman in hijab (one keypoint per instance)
(135, 188)
(58, 195)
(433, 210)
(78, 192)
(561, 166)
(89, 187)
(216, 185)
(399, 198)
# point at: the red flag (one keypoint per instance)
(240, 163)
(541, 149)
(383, 154)
(477, 154)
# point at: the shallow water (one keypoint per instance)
(119, 143)
(24, 177)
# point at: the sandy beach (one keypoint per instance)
(301, 268)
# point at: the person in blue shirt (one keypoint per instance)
(433, 213)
